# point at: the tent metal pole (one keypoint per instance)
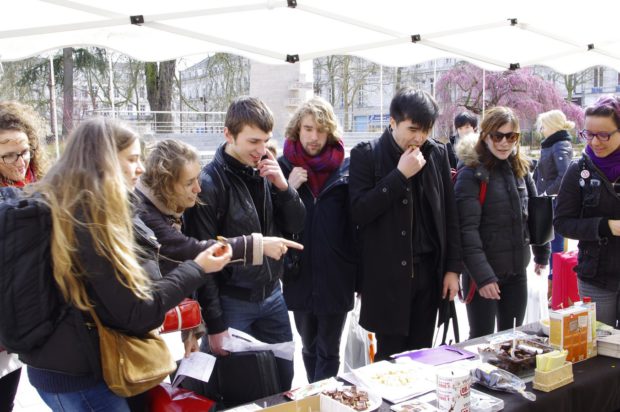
(53, 118)
(484, 88)
(111, 76)
(381, 95)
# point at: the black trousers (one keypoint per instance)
(483, 314)
(8, 389)
(422, 314)
(320, 337)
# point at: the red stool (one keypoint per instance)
(565, 291)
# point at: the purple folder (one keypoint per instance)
(438, 356)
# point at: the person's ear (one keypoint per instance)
(230, 138)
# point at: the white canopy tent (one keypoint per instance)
(491, 34)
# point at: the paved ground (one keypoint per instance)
(28, 400)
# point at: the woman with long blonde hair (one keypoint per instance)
(97, 265)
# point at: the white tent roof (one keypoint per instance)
(491, 34)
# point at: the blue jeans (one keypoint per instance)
(266, 320)
(97, 398)
(607, 302)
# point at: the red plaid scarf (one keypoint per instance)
(319, 167)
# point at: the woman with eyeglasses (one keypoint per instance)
(588, 209)
(556, 154)
(20, 163)
(492, 190)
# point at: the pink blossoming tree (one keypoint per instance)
(460, 89)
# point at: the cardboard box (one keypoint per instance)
(315, 403)
(568, 329)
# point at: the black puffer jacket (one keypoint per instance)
(321, 278)
(583, 214)
(73, 348)
(495, 236)
(227, 209)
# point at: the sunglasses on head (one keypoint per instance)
(511, 137)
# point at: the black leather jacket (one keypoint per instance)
(227, 209)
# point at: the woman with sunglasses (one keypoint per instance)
(20, 163)
(588, 209)
(492, 191)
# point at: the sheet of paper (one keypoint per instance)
(238, 341)
(198, 366)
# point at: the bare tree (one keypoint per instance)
(67, 91)
(345, 77)
(160, 80)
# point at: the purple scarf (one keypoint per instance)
(610, 165)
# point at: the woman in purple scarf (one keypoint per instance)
(588, 209)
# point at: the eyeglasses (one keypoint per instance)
(602, 136)
(12, 157)
(511, 137)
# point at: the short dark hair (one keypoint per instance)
(464, 119)
(248, 111)
(415, 105)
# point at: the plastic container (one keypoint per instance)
(553, 379)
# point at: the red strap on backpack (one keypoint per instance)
(472, 286)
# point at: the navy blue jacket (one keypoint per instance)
(322, 278)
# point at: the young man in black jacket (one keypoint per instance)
(464, 123)
(402, 198)
(319, 282)
(244, 191)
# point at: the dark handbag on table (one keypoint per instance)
(238, 378)
(540, 219)
(447, 312)
(132, 365)
(186, 315)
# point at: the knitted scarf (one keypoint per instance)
(29, 178)
(319, 167)
(610, 165)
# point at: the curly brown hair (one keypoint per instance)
(23, 118)
(323, 114)
(163, 168)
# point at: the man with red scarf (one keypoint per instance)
(319, 281)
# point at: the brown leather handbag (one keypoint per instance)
(186, 315)
(132, 365)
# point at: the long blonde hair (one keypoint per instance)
(86, 189)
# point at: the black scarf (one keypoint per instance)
(554, 138)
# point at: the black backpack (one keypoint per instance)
(30, 303)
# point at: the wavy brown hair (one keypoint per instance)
(494, 119)
(323, 114)
(22, 118)
(163, 168)
(86, 189)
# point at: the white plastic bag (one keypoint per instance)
(360, 347)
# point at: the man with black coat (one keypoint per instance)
(403, 201)
(244, 191)
(319, 282)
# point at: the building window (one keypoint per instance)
(598, 76)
